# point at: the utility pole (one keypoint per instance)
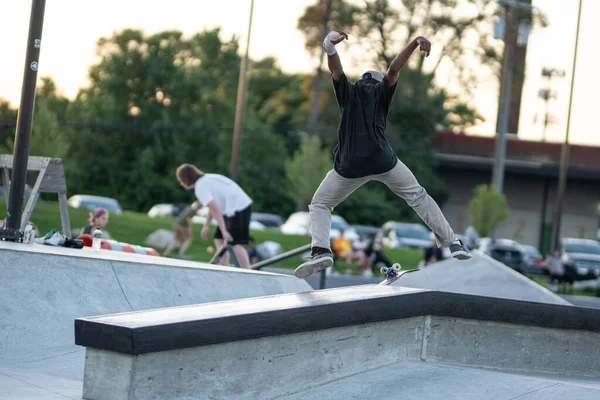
(12, 231)
(318, 84)
(240, 107)
(564, 157)
(500, 149)
(512, 7)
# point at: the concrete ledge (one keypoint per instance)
(236, 349)
(211, 323)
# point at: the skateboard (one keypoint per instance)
(393, 273)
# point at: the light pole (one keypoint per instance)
(500, 149)
(12, 231)
(240, 107)
(564, 156)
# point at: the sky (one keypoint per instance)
(72, 28)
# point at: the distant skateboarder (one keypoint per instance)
(364, 154)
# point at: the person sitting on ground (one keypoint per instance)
(374, 254)
(182, 230)
(433, 254)
(98, 220)
(252, 252)
(357, 253)
(342, 247)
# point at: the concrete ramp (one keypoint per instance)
(481, 275)
(43, 289)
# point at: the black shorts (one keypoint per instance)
(238, 226)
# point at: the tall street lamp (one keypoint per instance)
(564, 157)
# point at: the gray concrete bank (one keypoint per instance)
(45, 288)
(239, 349)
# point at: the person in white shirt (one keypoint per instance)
(228, 204)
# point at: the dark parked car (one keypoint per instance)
(508, 252)
(581, 258)
(533, 261)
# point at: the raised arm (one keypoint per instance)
(333, 59)
(402, 58)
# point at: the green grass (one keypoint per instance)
(586, 291)
(134, 228)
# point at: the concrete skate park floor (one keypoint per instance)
(44, 289)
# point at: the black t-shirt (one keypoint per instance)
(362, 148)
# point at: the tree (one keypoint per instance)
(488, 209)
(315, 23)
(369, 205)
(306, 169)
(153, 103)
(274, 97)
(8, 123)
(48, 138)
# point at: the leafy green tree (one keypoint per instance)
(153, 103)
(48, 138)
(488, 209)
(263, 173)
(8, 121)
(274, 97)
(369, 205)
(317, 20)
(306, 169)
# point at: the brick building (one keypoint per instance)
(531, 182)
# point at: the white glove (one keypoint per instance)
(328, 45)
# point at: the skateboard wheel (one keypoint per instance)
(396, 267)
(383, 271)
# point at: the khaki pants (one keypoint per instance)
(334, 189)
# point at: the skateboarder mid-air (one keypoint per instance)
(363, 154)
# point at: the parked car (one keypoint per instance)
(202, 214)
(533, 261)
(581, 258)
(166, 210)
(90, 202)
(365, 230)
(298, 223)
(507, 251)
(269, 221)
(402, 234)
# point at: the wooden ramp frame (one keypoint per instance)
(51, 179)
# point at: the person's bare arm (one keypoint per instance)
(216, 214)
(402, 58)
(333, 59)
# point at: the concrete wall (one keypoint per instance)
(296, 362)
